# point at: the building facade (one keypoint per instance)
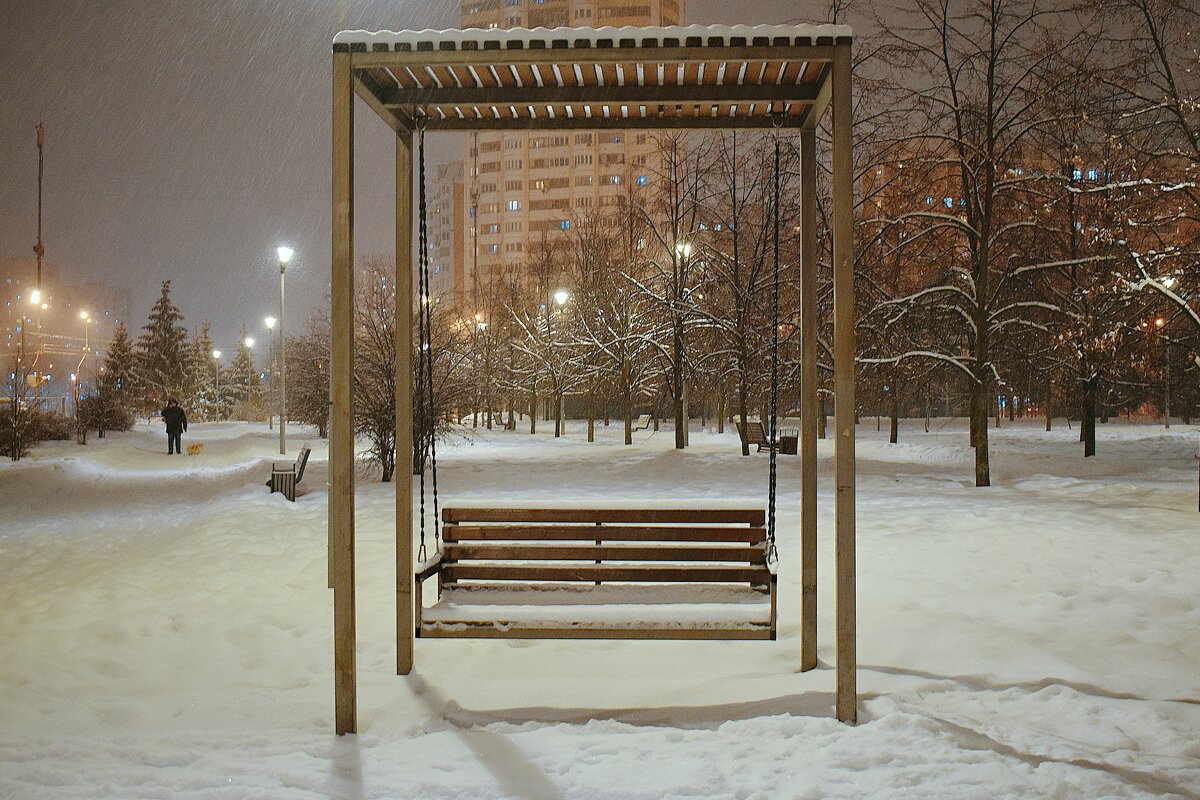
(522, 193)
(68, 328)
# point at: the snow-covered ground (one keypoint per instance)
(165, 630)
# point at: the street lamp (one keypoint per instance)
(249, 342)
(285, 255)
(1166, 347)
(87, 319)
(270, 323)
(560, 297)
(217, 361)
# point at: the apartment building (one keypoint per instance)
(70, 325)
(522, 193)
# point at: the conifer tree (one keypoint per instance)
(239, 383)
(162, 350)
(203, 401)
(120, 364)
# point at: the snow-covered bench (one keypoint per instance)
(286, 474)
(641, 423)
(550, 573)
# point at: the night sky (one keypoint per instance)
(185, 139)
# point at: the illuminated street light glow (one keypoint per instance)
(1169, 281)
(35, 297)
(285, 254)
(249, 341)
(562, 296)
(270, 321)
(83, 315)
(216, 353)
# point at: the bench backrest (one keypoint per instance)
(301, 462)
(753, 433)
(605, 545)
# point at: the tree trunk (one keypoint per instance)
(721, 412)
(677, 388)
(558, 416)
(979, 433)
(822, 417)
(1087, 420)
(533, 409)
(895, 417)
(591, 417)
(742, 415)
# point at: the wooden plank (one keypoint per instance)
(603, 552)
(843, 322)
(650, 58)
(813, 114)
(809, 399)
(670, 120)
(612, 533)
(485, 629)
(670, 93)
(404, 404)
(341, 433)
(605, 572)
(747, 516)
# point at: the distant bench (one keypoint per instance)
(562, 573)
(286, 474)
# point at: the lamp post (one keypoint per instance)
(560, 298)
(1166, 345)
(249, 342)
(285, 255)
(270, 323)
(216, 354)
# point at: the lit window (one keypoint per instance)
(928, 199)
(641, 180)
(948, 202)
(1093, 174)
(565, 224)
(1077, 174)
(513, 205)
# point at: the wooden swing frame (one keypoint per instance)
(694, 77)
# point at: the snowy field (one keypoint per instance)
(166, 630)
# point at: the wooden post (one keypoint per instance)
(809, 400)
(405, 589)
(341, 432)
(843, 322)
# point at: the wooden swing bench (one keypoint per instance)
(564, 573)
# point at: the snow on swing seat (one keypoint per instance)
(606, 609)
(650, 574)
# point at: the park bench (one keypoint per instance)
(286, 474)
(561, 573)
(755, 433)
(642, 422)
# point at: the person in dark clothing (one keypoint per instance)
(176, 422)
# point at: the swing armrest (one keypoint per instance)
(429, 568)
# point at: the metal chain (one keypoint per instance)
(427, 308)
(772, 553)
(423, 294)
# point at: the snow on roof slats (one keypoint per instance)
(557, 38)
